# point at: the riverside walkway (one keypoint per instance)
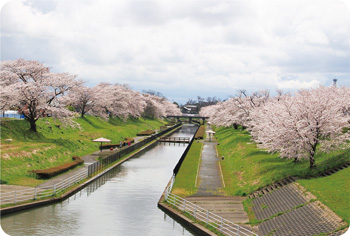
(287, 211)
(210, 193)
(88, 160)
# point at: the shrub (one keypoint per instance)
(48, 173)
(127, 139)
(146, 133)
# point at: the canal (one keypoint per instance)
(121, 202)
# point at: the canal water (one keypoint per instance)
(121, 202)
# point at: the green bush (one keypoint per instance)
(146, 133)
(127, 139)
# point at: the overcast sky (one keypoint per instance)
(185, 48)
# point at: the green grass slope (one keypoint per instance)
(247, 168)
(185, 183)
(55, 144)
(333, 191)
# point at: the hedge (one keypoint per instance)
(53, 171)
(127, 139)
(146, 133)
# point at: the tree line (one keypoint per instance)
(31, 88)
(293, 125)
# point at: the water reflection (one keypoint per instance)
(121, 202)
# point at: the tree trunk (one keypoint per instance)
(32, 125)
(312, 156)
(312, 161)
(235, 125)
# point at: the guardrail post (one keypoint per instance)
(174, 200)
(185, 205)
(35, 194)
(238, 230)
(207, 217)
(195, 211)
(54, 190)
(221, 225)
(15, 196)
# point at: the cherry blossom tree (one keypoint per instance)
(296, 126)
(117, 100)
(82, 99)
(30, 87)
(171, 108)
(236, 110)
(154, 106)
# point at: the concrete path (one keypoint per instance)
(88, 160)
(4, 188)
(230, 208)
(209, 181)
(210, 193)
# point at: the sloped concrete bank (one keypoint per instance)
(38, 203)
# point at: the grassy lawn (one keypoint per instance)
(333, 191)
(247, 168)
(55, 144)
(186, 177)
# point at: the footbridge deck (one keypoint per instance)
(175, 139)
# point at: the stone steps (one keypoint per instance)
(335, 170)
(272, 187)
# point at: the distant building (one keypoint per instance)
(11, 114)
(190, 109)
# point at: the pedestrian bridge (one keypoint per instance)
(189, 116)
(175, 139)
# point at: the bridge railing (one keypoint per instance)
(175, 139)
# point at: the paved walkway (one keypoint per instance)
(88, 160)
(209, 181)
(210, 193)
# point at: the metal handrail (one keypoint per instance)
(40, 192)
(224, 226)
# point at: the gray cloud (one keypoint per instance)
(186, 47)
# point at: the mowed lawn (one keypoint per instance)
(185, 183)
(54, 144)
(247, 168)
(333, 191)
